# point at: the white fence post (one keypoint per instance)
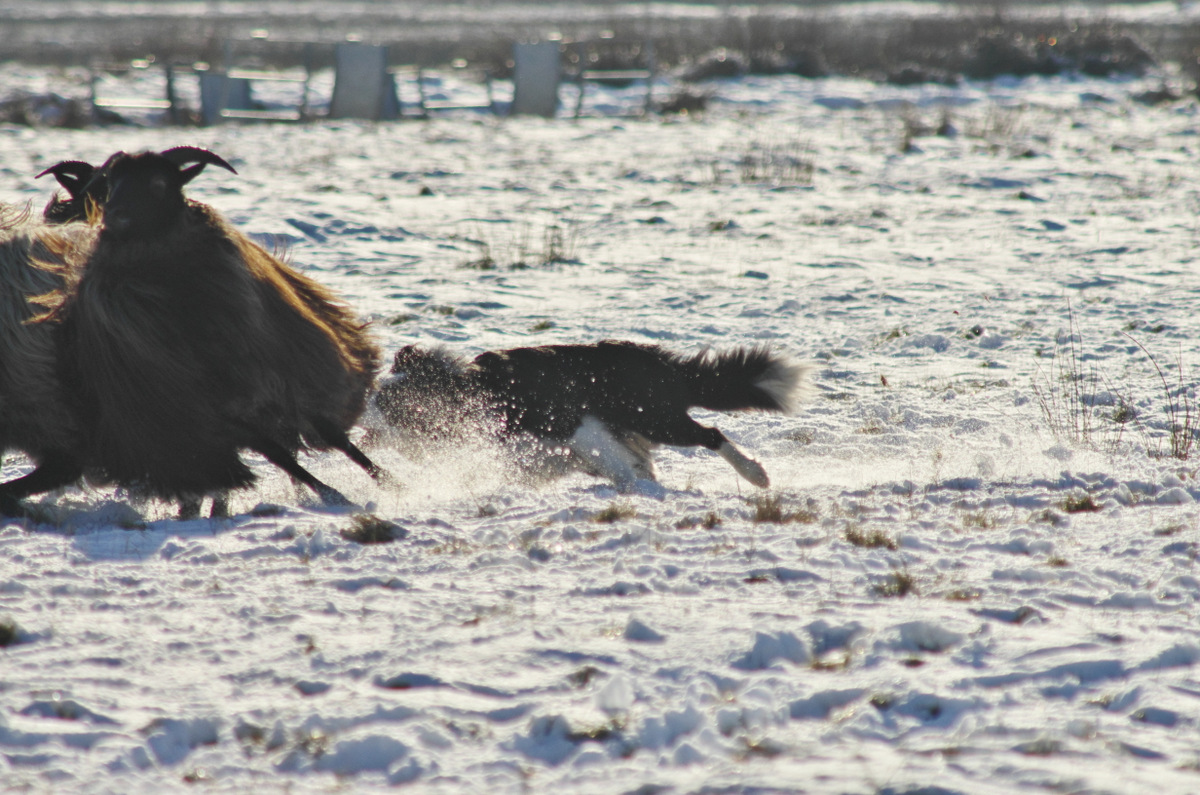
(535, 79)
(219, 91)
(363, 88)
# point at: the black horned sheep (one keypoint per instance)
(35, 416)
(604, 405)
(184, 341)
(82, 192)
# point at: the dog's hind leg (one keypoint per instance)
(745, 466)
(686, 432)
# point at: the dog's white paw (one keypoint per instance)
(745, 466)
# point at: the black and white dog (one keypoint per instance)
(604, 407)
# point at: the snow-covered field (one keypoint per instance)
(976, 571)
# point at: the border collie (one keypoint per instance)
(604, 407)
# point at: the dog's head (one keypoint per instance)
(424, 395)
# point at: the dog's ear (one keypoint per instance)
(402, 357)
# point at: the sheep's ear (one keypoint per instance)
(191, 160)
(73, 175)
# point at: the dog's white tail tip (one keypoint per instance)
(788, 383)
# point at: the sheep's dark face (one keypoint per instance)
(145, 196)
(145, 191)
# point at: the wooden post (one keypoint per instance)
(308, 70)
(172, 101)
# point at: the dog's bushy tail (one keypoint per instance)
(745, 378)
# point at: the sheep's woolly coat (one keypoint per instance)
(183, 347)
(34, 415)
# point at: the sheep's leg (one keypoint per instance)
(336, 438)
(220, 506)
(54, 472)
(189, 508)
(281, 458)
(11, 507)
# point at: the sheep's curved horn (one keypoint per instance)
(73, 175)
(183, 155)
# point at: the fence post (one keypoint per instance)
(535, 79)
(363, 88)
(219, 91)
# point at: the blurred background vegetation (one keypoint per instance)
(901, 43)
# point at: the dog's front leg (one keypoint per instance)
(595, 443)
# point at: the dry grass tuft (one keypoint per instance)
(1083, 407)
(584, 676)
(522, 246)
(601, 733)
(788, 163)
(831, 662)
(1067, 394)
(978, 520)
(366, 528)
(1050, 517)
(1182, 416)
(875, 539)
(709, 521)
(1170, 530)
(896, 585)
(9, 632)
(453, 546)
(1079, 503)
(768, 508)
(616, 512)
(763, 749)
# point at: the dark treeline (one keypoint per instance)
(973, 40)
